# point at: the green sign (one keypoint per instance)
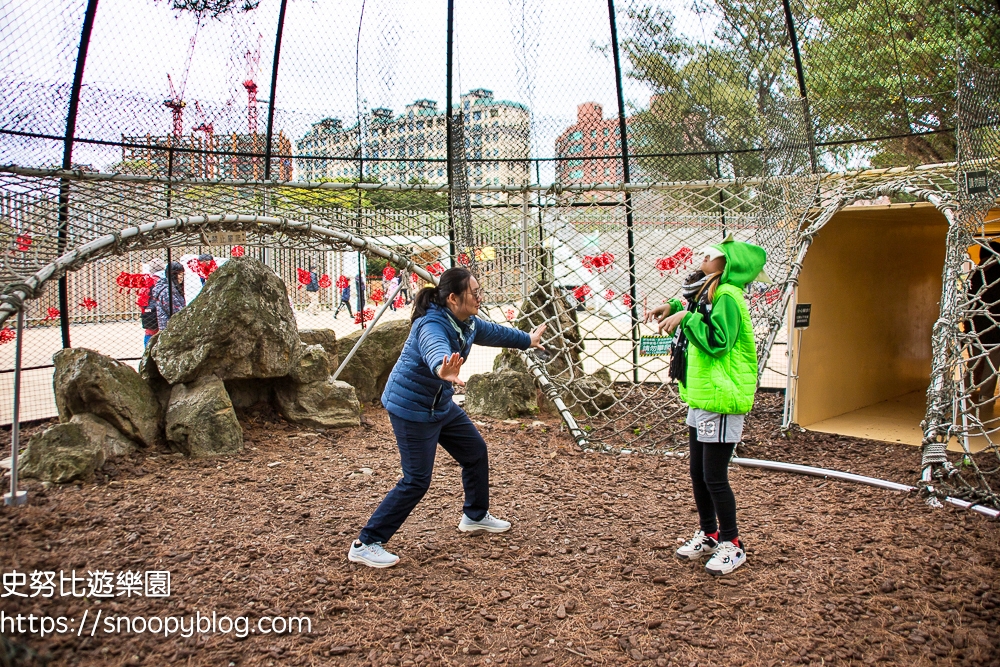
(655, 346)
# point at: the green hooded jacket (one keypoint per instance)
(722, 355)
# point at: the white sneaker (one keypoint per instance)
(697, 547)
(372, 555)
(726, 559)
(488, 523)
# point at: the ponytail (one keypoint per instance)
(453, 281)
(422, 300)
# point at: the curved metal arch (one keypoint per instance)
(115, 243)
(941, 200)
(12, 300)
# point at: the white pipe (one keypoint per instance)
(861, 479)
(16, 497)
(368, 330)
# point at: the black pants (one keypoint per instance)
(712, 493)
(344, 302)
(417, 444)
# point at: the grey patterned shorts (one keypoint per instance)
(715, 427)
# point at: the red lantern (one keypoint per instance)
(342, 282)
(51, 314)
(684, 256)
(609, 295)
(88, 303)
(463, 259)
(581, 292)
(399, 302)
(23, 242)
(324, 281)
(303, 277)
(588, 262)
(206, 267)
(7, 335)
(134, 280)
(435, 269)
(378, 296)
(664, 264)
(627, 300)
(366, 315)
(509, 314)
(202, 269)
(237, 251)
(388, 273)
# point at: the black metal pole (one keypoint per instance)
(722, 199)
(62, 232)
(170, 193)
(626, 175)
(448, 102)
(800, 74)
(274, 83)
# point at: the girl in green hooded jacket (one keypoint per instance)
(717, 373)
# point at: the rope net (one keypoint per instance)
(961, 412)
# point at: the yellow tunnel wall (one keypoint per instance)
(873, 277)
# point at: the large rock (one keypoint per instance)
(201, 420)
(88, 382)
(313, 365)
(368, 370)
(504, 395)
(562, 340)
(72, 451)
(240, 326)
(590, 394)
(151, 375)
(327, 338)
(323, 404)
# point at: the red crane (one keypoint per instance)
(252, 60)
(176, 101)
(209, 130)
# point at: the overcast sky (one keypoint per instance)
(542, 53)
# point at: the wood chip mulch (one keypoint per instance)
(837, 573)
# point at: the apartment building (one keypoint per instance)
(412, 146)
(590, 150)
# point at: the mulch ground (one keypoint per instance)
(836, 573)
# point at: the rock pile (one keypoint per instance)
(235, 344)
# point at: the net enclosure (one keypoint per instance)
(576, 156)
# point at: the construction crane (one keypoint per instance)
(176, 101)
(209, 130)
(252, 61)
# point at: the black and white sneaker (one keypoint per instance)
(697, 547)
(727, 558)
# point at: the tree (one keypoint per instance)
(213, 8)
(871, 70)
(709, 97)
(906, 80)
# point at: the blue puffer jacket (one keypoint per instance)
(414, 391)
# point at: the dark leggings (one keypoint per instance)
(712, 493)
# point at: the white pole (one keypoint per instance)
(367, 331)
(16, 497)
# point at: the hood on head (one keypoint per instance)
(744, 262)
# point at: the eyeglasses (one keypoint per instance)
(477, 294)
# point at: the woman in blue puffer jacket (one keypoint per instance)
(423, 414)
